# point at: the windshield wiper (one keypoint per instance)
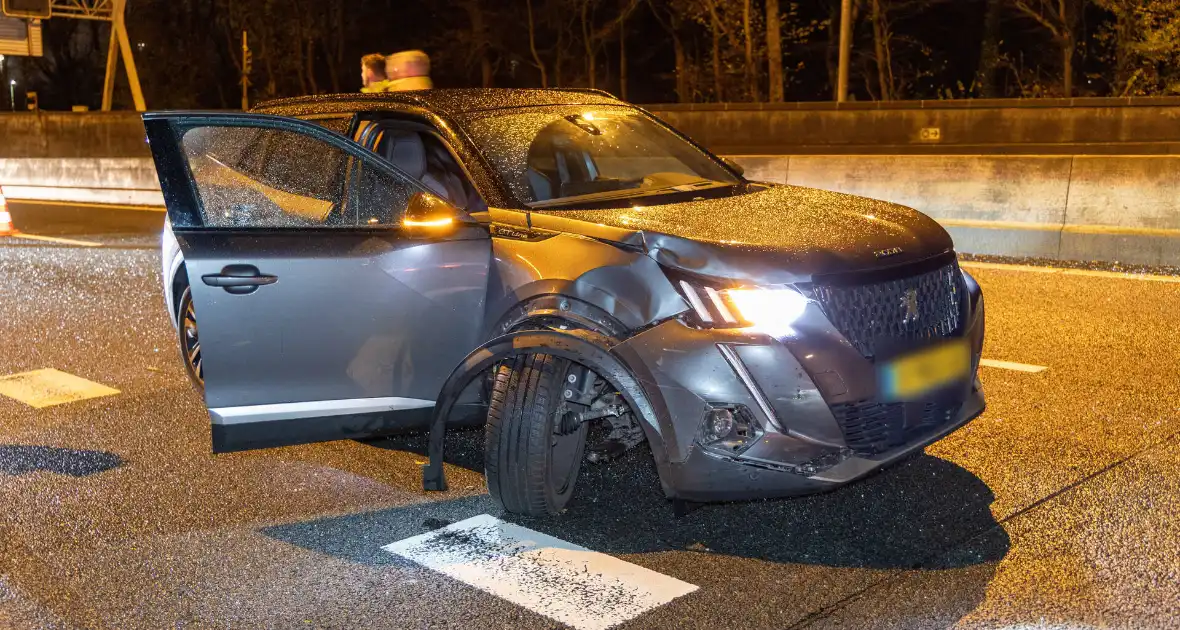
(631, 193)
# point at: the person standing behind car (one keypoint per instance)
(408, 70)
(373, 78)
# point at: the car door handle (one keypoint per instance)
(218, 280)
(238, 279)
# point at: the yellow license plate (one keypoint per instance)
(913, 375)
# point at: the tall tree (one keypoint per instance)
(533, 45)
(751, 68)
(588, 40)
(673, 15)
(623, 50)
(774, 51)
(480, 41)
(989, 50)
(883, 53)
(334, 48)
(1142, 45)
(1059, 18)
(716, 29)
(596, 31)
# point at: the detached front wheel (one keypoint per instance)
(531, 467)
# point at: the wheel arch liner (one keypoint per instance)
(583, 346)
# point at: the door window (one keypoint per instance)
(255, 177)
(382, 198)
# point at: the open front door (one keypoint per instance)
(320, 315)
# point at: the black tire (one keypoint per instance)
(190, 341)
(530, 470)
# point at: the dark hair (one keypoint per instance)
(374, 62)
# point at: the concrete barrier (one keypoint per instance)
(111, 181)
(1083, 207)
(1117, 126)
(72, 135)
(1089, 179)
(91, 157)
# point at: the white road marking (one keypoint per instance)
(1009, 365)
(54, 239)
(560, 580)
(49, 387)
(1071, 272)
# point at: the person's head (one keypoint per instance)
(407, 64)
(372, 69)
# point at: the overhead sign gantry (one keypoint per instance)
(33, 11)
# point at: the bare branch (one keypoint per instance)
(1053, 28)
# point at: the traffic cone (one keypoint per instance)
(6, 226)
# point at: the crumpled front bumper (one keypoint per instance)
(791, 386)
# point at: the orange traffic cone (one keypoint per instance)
(6, 226)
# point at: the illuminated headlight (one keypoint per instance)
(773, 311)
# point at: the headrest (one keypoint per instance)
(408, 153)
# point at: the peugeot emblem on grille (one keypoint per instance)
(885, 253)
(909, 304)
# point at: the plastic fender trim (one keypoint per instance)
(583, 346)
(554, 306)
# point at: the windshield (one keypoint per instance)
(562, 156)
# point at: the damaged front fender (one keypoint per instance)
(626, 286)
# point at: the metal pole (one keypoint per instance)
(108, 85)
(245, 74)
(12, 94)
(845, 49)
(128, 60)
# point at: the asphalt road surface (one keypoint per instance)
(1058, 508)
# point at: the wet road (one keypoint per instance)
(1058, 508)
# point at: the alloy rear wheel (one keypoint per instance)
(190, 340)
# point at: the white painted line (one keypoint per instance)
(54, 239)
(1071, 272)
(560, 580)
(1057, 227)
(1009, 365)
(49, 387)
(1007, 267)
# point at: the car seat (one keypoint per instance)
(407, 151)
(441, 170)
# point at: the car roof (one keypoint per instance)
(452, 102)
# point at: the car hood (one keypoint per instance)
(780, 234)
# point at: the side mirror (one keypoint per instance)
(734, 165)
(431, 213)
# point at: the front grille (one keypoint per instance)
(872, 427)
(922, 306)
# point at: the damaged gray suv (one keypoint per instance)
(566, 268)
